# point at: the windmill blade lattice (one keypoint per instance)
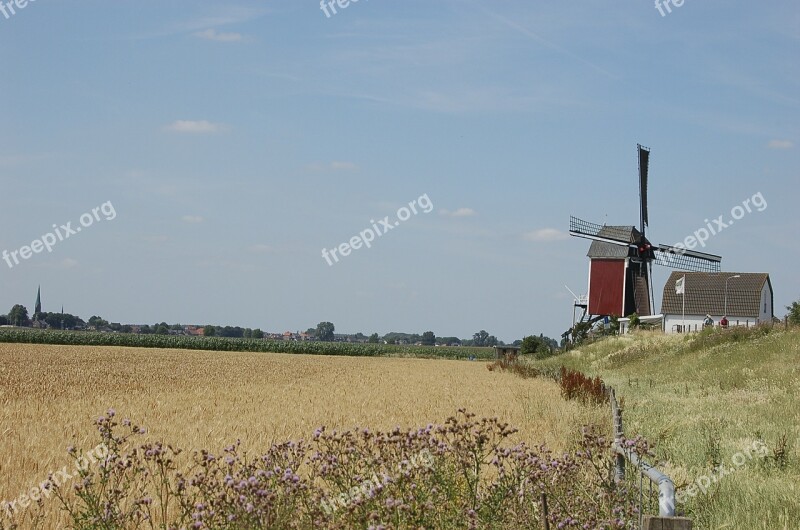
(687, 260)
(611, 234)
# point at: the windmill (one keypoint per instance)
(621, 258)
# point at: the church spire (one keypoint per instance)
(38, 308)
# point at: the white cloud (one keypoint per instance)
(195, 127)
(260, 248)
(344, 165)
(212, 34)
(194, 219)
(218, 15)
(13, 160)
(780, 144)
(155, 239)
(545, 235)
(460, 212)
(67, 263)
(335, 165)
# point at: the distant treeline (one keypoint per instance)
(90, 338)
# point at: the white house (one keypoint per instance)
(746, 298)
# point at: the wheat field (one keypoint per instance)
(50, 395)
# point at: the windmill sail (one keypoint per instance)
(688, 260)
(616, 235)
(644, 165)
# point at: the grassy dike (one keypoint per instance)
(704, 398)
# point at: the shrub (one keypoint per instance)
(710, 337)
(462, 474)
(539, 347)
(523, 370)
(576, 385)
(794, 313)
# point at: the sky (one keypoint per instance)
(224, 145)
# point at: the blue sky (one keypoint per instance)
(235, 140)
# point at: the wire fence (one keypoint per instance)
(658, 495)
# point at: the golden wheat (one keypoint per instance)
(50, 395)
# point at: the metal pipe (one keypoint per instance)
(726, 293)
(666, 488)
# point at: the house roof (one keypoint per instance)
(599, 249)
(705, 293)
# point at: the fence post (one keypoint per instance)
(616, 413)
(666, 488)
(660, 523)
(544, 511)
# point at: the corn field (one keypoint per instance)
(89, 338)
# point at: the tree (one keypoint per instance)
(374, 339)
(3, 320)
(229, 331)
(428, 338)
(97, 323)
(530, 345)
(479, 338)
(324, 332)
(162, 329)
(258, 334)
(794, 313)
(402, 338)
(482, 338)
(540, 347)
(59, 320)
(18, 316)
(209, 331)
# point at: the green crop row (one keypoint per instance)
(90, 338)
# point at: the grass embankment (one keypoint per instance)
(704, 398)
